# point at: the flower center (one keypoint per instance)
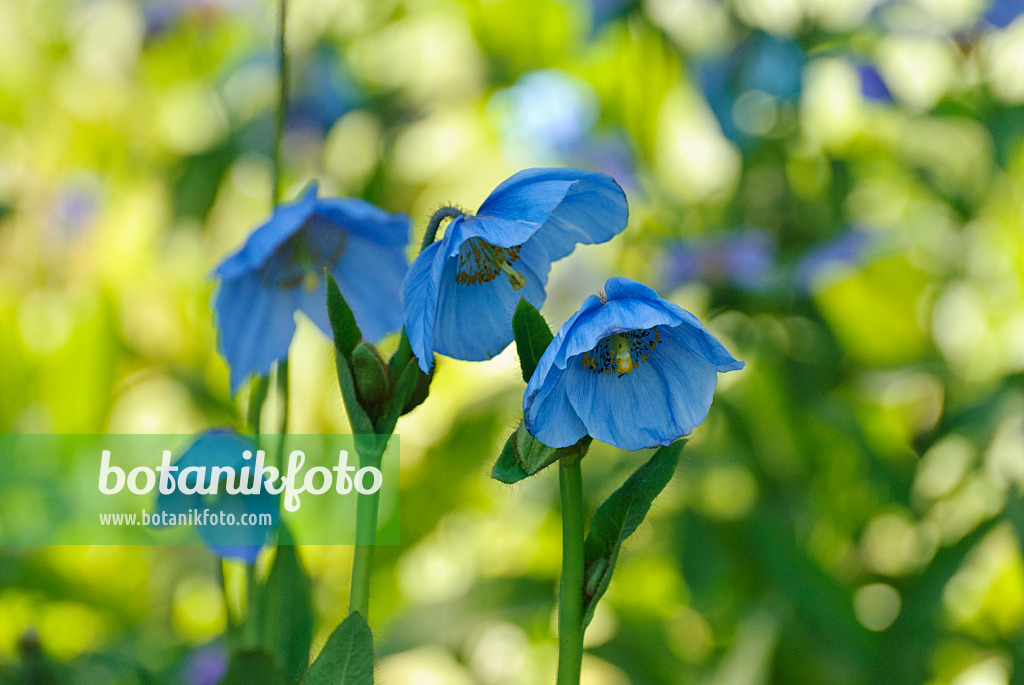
(481, 262)
(622, 353)
(300, 261)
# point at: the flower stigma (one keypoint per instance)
(622, 353)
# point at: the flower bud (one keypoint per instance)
(371, 375)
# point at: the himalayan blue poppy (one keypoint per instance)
(223, 449)
(280, 270)
(461, 292)
(629, 369)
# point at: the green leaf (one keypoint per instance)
(507, 468)
(346, 332)
(284, 609)
(347, 657)
(525, 455)
(253, 666)
(619, 517)
(532, 337)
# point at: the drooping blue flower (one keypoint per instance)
(280, 269)
(324, 91)
(629, 369)
(741, 259)
(461, 291)
(224, 449)
(766, 69)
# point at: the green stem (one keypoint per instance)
(282, 101)
(257, 395)
(251, 632)
(366, 535)
(282, 394)
(570, 591)
(435, 223)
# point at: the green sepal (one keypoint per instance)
(253, 666)
(343, 322)
(357, 416)
(525, 455)
(532, 337)
(284, 609)
(347, 657)
(618, 518)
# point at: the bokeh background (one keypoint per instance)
(835, 186)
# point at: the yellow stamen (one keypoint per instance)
(310, 281)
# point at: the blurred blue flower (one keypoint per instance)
(205, 666)
(743, 259)
(280, 268)
(1002, 13)
(546, 114)
(461, 291)
(745, 86)
(872, 85)
(323, 90)
(816, 263)
(223, 448)
(77, 203)
(629, 368)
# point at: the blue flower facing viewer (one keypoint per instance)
(461, 292)
(629, 368)
(279, 271)
(225, 449)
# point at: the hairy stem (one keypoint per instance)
(570, 590)
(435, 223)
(366, 537)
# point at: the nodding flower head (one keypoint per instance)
(629, 369)
(280, 270)
(461, 291)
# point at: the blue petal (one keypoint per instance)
(549, 415)
(255, 322)
(420, 294)
(593, 211)
(474, 322)
(286, 220)
(663, 399)
(368, 221)
(560, 207)
(370, 278)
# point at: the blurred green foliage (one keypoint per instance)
(849, 513)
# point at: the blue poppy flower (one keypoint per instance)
(462, 290)
(223, 449)
(280, 268)
(629, 369)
